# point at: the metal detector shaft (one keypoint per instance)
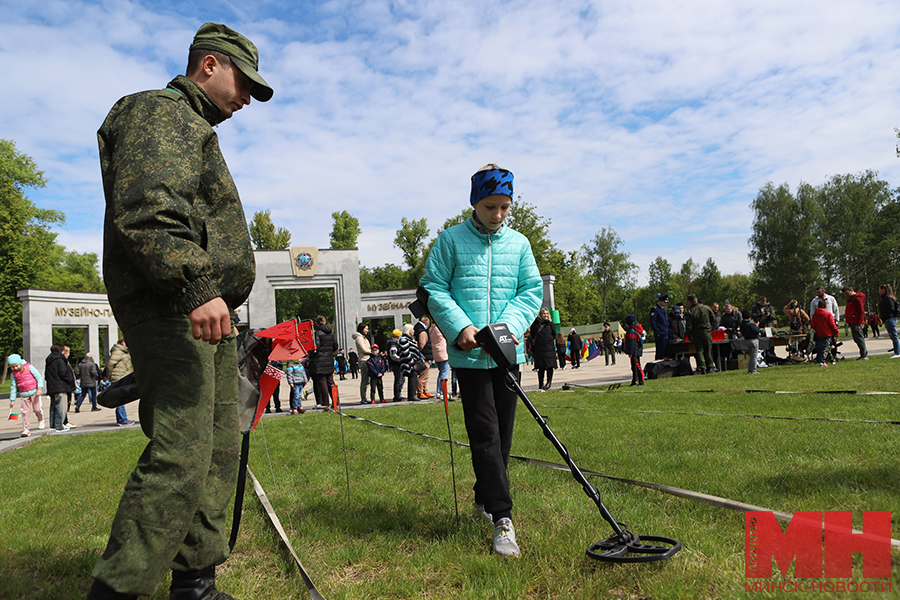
(450, 437)
(589, 488)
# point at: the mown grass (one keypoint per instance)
(398, 537)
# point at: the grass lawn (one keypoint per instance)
(398, 537)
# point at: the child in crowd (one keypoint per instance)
(377, 368)
(826, 331)
(481, 272)
(27, 384)
(634, 348)
(296, 377)
(750, 331)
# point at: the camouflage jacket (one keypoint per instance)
(175, 235)
(698, 317)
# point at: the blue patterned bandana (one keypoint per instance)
(491, 182)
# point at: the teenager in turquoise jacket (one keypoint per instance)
(481, 272)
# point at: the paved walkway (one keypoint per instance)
(594, 372)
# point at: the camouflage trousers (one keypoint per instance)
(173, 513)
(703, 344)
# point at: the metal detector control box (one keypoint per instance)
(498, 342)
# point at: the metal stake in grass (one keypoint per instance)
(450, 437)
(335, 398)
(623, 546)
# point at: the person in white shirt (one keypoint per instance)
(830, 303)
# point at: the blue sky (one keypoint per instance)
(661, 120)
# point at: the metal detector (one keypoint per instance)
(624, 546)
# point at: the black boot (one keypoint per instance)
(196, 585)
(101, 591)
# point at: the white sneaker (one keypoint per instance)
(895, 355)
(41, 425)
(481, 514)
(505, 538)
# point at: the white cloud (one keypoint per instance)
(660, 120)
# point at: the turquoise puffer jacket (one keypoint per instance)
(477, 279)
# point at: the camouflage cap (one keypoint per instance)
(241, 51)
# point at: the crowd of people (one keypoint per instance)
(813, 333)
(64, 385)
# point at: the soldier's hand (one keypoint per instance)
(210, 321)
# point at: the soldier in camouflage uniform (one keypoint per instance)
(698, 320)
(177, 262)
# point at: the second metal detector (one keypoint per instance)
(623, 546)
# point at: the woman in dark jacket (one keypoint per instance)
(321, 362)
(60, 380)
(543, 347)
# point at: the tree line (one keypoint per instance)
(30, 256)
(843, 231)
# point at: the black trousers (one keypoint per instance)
(322, 385)
(637, 373)
(660, 348)
(489, 407)
(549, 373)
(397, 370)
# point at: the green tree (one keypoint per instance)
(887, 243)
(461, 217)
(785, 247)
(26, 244)
(851, 205)
(575, 296)
(69, 270)
(684, 281)
(304, 304)
(388, 277)
(660, 275)
(265, 236)
(345, 232)
(410, 239)
(523, 217)
(608, 267)
(709, 283)
(739, 290)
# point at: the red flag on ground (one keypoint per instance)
(292, 339)
(287, 350)
(268, 381)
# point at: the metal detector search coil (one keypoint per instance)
(623, 546)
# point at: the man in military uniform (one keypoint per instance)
(659, 323)
(698, 328)
(177, 263)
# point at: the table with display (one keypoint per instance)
(725, 347)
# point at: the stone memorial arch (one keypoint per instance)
(306, 268)
(44, 310)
